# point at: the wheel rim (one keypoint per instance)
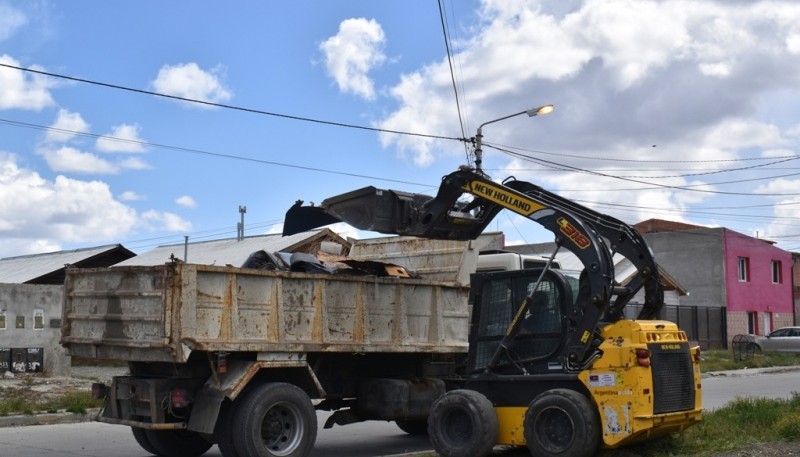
(457, 427)
(282, 428)
(554, 429)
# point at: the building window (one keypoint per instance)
(38, 319)
(2, 319)
(744, 269)
(776, 272)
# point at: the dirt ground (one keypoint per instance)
(39, 387)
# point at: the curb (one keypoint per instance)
(750, 372)
(64, 417)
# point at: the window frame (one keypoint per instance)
(743, 267)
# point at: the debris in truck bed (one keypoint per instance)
(324, 263)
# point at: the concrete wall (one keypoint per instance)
(32, 315)
(695, 260)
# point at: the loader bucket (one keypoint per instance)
(398, 213)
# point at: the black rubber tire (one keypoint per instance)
(463, 423)
(564, 423)
(413, 427)
(275, 420)
(141, 437)
(753, 348)
(223, 430)
(177, 443)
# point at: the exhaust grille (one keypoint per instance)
(673, 377)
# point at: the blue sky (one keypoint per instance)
(680, 110)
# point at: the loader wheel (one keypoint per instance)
(462, 423)
(177, 443)
(413, 427)
(562, 422)
(141, 439)
(275, 420)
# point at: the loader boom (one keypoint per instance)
(466, 203)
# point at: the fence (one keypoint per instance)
(707, 326)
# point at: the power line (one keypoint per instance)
(689, 187)
(226, 106)
(202, 152)
(452, 75)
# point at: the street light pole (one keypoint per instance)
(538, 111)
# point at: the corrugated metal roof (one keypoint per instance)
(228, 251)
(29, 268)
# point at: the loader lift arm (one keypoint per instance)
(591, 236)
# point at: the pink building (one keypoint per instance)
(750, 279)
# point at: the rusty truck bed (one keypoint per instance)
(163, 313)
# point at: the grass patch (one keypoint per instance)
(741, 423)
(720, 360)
(74, 402)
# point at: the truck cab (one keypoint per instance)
(500, 260)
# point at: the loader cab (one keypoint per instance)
(542, 332)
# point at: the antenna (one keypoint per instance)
(240, 225)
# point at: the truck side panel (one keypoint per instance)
(163, 313)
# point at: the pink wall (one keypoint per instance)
(758, 294)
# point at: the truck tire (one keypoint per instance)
(177, 443)
(413, 427)
(275, 420)
(462, 423)
(562, 422)
(141, 437)
(223, 430)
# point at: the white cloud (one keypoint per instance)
(40, 215)
(70, 160)
(186, 201)
(49, 213)
(192, 82)
(122, 138)
(21, 90)
(131, 196)
(157, 220)
(11, 19)
(352, 53)
(65, 127)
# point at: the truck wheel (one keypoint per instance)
(275, 420)
(462, 423)
(177, 443)
(223, 430)
(141, 438)
(562, 422)
(413, 427)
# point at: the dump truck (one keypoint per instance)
(229, 355)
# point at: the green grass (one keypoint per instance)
(74, 402)
(741, 423)
(720, 360)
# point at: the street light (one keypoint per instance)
(538, 111)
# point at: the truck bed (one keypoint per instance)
(163, 313)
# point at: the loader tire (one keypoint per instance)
(177, 443)
(275, 420)
(564, 423)
(462, 423)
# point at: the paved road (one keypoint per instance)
(719, 390)
(370, 439)
(94, 439)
